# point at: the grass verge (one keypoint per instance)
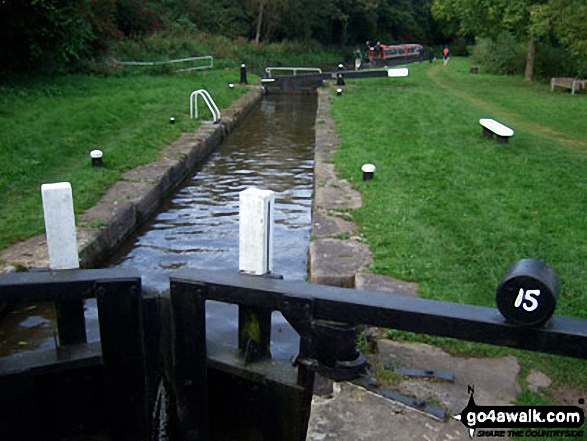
(452, 210)
(48, 127)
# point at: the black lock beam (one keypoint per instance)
(561, 336)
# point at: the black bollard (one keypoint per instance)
(335, 349)
(244, 74)
(96, 156)
(368, 171)
(339, 79)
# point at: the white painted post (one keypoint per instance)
(255, 254)
(60, 225)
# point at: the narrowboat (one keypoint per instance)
(391, 55)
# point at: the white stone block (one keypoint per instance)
(255, 254)
(60, 225)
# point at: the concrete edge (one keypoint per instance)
(336, 254)
(134, 200)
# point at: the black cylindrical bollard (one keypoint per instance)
(339, 92)
(339, 79)
(244, 74)
(368, 171)
(96, 156)
(336, 350)
(172, 120)
(528, 292)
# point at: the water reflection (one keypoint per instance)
(28, 327)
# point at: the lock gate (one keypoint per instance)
(153, 357)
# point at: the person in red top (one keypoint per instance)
(445, 56)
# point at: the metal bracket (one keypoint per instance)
(415, 403)
(427, 373)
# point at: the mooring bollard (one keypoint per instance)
(255, 258)
(62, 245)
(368, 171)
(172, 120)
(60, 225)
(339, 91)
(255, 254)
(96, 156)
(339, 79)
(243, 74)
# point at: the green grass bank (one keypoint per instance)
(452, 210)
(48, 127)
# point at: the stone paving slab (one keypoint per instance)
(353, 413)
(324, 225)
(335, 262)
(377, 282)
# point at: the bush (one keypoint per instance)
(555, 62)
(506, 55)
(181, 42)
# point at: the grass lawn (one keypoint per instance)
(452, 210)
(49, 126)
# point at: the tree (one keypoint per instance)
(51, 33)
(488, 18)
(566, 18)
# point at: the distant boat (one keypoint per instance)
(386, 55)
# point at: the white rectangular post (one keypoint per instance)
(60, 225)
(255, 254)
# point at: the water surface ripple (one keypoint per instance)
(198, 226)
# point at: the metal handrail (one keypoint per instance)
(209, 102)
(294, 69)
(179, 60)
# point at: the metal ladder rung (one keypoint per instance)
(209, 102)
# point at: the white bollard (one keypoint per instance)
(60, 225)
(255, 253)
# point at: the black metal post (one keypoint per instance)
(243, 74)
(71, 323)
(119, 309)
(189, 374)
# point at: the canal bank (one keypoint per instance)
(346, 411)
(135, 199)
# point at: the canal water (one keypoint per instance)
(197, 227)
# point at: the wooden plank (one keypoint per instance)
(49, 361)
(562, 336)
(119, 311)
(568, 83)
(190, 380)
